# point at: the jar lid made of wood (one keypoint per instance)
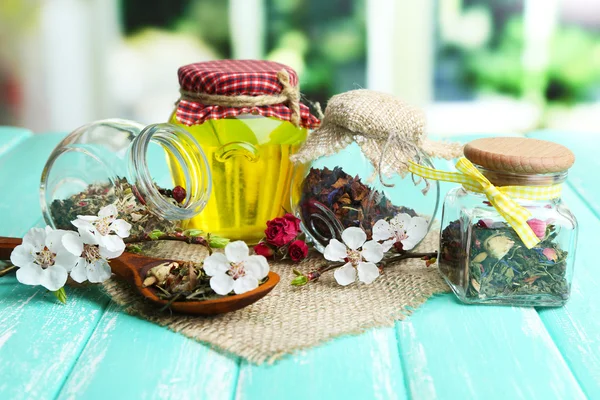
(520, 161)
(519, 155)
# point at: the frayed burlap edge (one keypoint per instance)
(291, 319)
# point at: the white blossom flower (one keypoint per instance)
(103, 225)
(235, 270)
(355, 251)
(402, 228)
(42, 259)
(92, 260)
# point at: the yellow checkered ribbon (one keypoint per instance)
(500, 197)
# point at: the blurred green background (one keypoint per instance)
(473, 65)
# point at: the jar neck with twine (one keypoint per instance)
(389, 132)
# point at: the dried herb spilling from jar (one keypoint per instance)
(330, 197)
(122, 194)
(498, 264)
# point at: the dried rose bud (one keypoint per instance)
(179, 194)
(538, 227)
(550, 254)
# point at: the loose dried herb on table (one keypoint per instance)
(350, 201)
(131, 209)
(500, 265)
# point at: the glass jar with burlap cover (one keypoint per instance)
(357, 171)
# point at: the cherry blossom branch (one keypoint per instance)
(7, 270)
(302, 279)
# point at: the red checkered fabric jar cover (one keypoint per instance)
(235, 78)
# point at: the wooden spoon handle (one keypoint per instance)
(7, 245)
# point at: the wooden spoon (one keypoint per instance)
(134, 267)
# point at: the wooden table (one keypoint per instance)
(89, 349)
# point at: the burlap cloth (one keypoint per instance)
(389, 131)
(294, 318)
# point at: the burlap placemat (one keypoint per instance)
(294, 318)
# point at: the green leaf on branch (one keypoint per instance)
(192, 232)
(61, 295)
(156, 234)
(300, 280)
(217, 242)
(134, 248)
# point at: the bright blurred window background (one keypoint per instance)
(475, 66)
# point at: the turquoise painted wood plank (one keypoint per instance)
(40, 339)
(12, 136)
(453, 351)
(351, 367)
(130, 358)
(583, 176)
(20, 172)
(450, 350)
(576, 327)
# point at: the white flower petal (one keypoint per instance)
(345, 275)
(73, 243)
(87, 236)
(354, 237)
(79, 272)
(400, 221)
(216, 264)
(36, 237)
(54, 240)
(83, 224)
(109, 255)
(112, 243)
(53, 278)
(415, 232)
(381, 230)
(257, 266)
(98, 271)
(121, 227)
(237, 251)
(387, 245)
(30, 274)
(65, 260)
(108, 211)
(335, 251)
(221, 283)
(372, 251)
(245, 284)
(22, 256)
(367, 272)
(86, 219)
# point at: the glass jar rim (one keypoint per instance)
(503, 178)
(196, 172)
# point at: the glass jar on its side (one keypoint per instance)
(124, 163)
(483, 259)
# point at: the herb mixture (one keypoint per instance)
(130, 208)
(186, 281)
(349, 201)
(499, 265)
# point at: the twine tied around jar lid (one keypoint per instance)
(227, 88)
(389, 132)
(289, 95)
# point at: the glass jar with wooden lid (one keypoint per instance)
(510, 238)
